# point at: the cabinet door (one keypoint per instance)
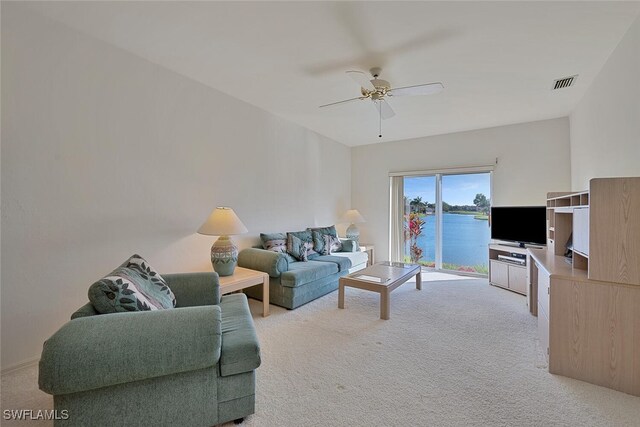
(543, 332)
(499, 273)
(518, 279)
(543, 291)
(581, 230)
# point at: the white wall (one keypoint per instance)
(605, 125)
(105, 154)
(533, 158)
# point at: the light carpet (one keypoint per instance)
(457, 353)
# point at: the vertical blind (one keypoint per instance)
(397, 219)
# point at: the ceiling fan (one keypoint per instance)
(377, 90)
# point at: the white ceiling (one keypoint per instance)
(497, 60)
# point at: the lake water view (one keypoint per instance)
(464, 242)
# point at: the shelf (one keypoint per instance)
(569, 209)
(578, 194)
(557, 265)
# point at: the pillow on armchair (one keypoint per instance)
(134, 286)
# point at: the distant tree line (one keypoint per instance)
(480, 204)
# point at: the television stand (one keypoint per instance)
(505, 274)
(520, 245)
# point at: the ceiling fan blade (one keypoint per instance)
(426, 89)
(361, 78)
(343, 102)
(384, 109)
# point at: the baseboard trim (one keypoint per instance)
(19, 366)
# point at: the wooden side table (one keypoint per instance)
(369, 249)
(243, 278)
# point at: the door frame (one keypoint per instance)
(438, 174)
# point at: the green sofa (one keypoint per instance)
(294, 283)
(193, 365)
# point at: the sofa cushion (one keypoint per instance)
(307, 237)
(240, 351)
(301, 273)
(275, 242)
(296, 248)
(342, 262)
(356, 258)
(134, 286)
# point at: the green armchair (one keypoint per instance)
(193, 365)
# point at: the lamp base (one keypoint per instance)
(224, 256)
(353, 233)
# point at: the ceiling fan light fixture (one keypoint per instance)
(377, 90)
(381, 84)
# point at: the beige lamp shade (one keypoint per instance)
(223, 221)
(353, 217)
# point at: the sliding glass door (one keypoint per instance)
(465, 222)
(420, 220)
(442, 222)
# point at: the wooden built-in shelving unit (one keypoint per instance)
(562, 208)
(589, 308)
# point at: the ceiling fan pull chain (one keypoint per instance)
(380, 119)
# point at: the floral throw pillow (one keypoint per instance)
(134, 286)
(296, 247)
(276, 242)
(307, 238)
(318, 234)
(331, 244)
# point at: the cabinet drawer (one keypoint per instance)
(499, 273)
(518, 279)
(543, 291)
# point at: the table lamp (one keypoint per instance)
(353, 216)
(223, 222)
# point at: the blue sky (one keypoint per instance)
(456, 189)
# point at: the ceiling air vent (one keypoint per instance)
(564, 82)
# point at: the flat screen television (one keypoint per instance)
(520, 224)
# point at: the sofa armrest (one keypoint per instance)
(272, 263)
(194, 289)
(109, 349)
(240, 351)
(349, 245)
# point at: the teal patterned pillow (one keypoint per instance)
(276, 242)
(296, 247)
(331, 244)
(307, 238)
(318, 240)
(134, 286)
(326, 230)
(147, 272)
